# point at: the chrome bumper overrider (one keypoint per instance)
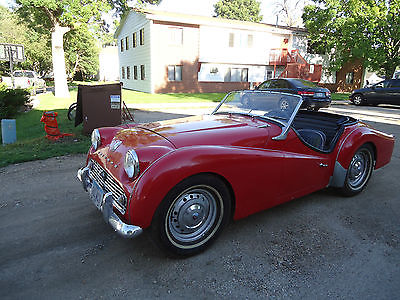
(123, 229)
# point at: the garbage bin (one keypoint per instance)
(8, 131)
(98, 106)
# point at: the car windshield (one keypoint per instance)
(18, 74)
(279, 107)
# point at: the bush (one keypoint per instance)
(11, 100)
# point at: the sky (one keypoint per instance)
(201, 7)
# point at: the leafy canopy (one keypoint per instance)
(243, 10)
(357, 29)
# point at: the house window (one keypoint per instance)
(214, 70)
(127, 43)
(175, 73)
(123, 73)
(236, 75)
(128, 72)
(231, 39)
(268, 74)
(134, 40)
(350, 78)
(135, 73)
(176, 36)
(141, 36)
(122, 45)
(142, 72)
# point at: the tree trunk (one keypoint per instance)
(57, 49)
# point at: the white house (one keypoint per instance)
(171, 52)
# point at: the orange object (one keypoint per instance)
(49, 118)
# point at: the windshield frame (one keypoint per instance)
(285, 125)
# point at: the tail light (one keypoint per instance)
(29, 82)
(304, 93)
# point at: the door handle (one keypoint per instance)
(322, 165)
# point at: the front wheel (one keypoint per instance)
(191, 215)
(359, 171)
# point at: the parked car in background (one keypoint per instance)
(185, 179)
(384, 92)
(25, 79)
(314, 96)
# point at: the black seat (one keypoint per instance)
(313, 137)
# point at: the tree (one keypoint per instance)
(36, 44)
(290, 11)
(81, 53)
(59, 17)
(357, 29)
(244, 10)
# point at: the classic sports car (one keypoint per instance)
(184, 179)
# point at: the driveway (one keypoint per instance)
(54, 243)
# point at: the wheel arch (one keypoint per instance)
(156, 182)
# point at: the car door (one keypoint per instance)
(394, 91)
(380, 92)
(305, 170)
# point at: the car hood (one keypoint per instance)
(227, 130)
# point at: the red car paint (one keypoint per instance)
(260, 172)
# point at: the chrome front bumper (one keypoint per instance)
(123, 229)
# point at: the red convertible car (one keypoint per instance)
(184, 179)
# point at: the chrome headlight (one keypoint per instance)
(96, 139)
(131, 164)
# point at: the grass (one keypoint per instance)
(31, 142)
(340, 96)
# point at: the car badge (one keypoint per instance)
(115, 144)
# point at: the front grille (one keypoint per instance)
(108, 184)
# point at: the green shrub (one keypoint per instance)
(11, 100)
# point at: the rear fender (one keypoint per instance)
(362, 134)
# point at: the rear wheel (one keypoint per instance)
(358, 99)
(359, 171)
(191, 215)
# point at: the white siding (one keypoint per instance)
(140, 55)
(215, 45)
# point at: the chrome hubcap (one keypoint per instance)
(284, 105)
(192, 215)
(357, 99)
(359, 168)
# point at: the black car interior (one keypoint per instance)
(319, 130)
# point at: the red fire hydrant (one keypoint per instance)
(49, 118)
